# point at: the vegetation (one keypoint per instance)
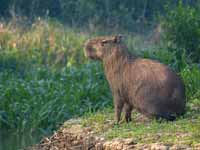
(184, 130)
(43, 42)
(40, 87)
(42, 99)
(130, 15)
(182, 27)
(45, 78)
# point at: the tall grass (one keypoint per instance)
(42, 42)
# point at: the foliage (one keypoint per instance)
(191, 76)
(42, 99)
(113, 14)
(182, 31)
(44, 76)
(167, 57)
(43, 42)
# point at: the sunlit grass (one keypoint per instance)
(43, 42)
(184, 130)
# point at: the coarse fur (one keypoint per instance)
(146, 85)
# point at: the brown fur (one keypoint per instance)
(146, 85)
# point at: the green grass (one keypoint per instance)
(184, 130)
(42, 98)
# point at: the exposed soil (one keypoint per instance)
(72, 136)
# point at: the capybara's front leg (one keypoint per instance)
(128, 109)
(118, 107)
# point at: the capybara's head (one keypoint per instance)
(100, 47)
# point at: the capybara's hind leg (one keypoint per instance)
(166, 115)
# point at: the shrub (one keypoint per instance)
(191, 77)
(182, 31)
(82, 12)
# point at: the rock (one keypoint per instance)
(159, 147)
(129, 142)
(179, 147)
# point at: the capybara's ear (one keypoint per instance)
(118, 38)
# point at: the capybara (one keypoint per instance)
(146, 85)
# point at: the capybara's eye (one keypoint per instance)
(103, 42)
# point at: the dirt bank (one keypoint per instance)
(73, 136)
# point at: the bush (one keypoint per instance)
(191, 77)
(182, 31)
(108, 13)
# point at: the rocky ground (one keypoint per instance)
(73, 136)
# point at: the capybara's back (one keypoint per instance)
(144, 84)
(154, 89)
